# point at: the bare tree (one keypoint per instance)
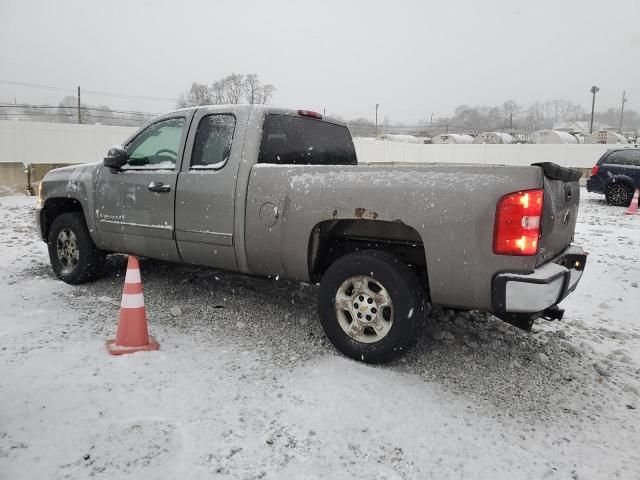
(218, 89)
(198, 95)
(266, 93)
(510, 109)
(230, 89)
(252, 88)
(234, 87)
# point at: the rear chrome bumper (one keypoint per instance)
(546, 286)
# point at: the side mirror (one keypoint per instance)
(116, 157)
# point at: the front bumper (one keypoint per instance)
(37, 220)
(546, 286)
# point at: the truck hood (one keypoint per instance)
(73, 181)
(72, 173)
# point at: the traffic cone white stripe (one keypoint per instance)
(133, 276)
(132, 300)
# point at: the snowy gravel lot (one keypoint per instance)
(246, 386)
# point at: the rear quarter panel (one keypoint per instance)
(452, 207)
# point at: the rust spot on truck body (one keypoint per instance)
(364, 213)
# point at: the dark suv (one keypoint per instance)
(617, 175)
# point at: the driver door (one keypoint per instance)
(134, 206)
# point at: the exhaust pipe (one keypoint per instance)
(553, 313)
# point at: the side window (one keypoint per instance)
(291, 140)
(624, 157)
(156, 148)
(634, 155)
(212, 145)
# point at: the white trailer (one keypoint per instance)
(493, 138)
(547, 136)
(605, 136)
(452, 138)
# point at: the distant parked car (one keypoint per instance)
(617, 175)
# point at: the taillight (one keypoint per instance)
(517, 227)
(595, 170)
(310, 114)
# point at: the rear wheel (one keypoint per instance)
(372, 306)
(619, 194)
(73, 255)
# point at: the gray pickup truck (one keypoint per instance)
(275, 192)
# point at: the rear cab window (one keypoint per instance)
(290, 140)
(212, 145)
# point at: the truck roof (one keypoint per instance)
(267, 109)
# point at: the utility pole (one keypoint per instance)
(79, 116)
(624, 100)
(377, 105)
(594, 90)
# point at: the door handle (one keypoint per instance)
(159, 187)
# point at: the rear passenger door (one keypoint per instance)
(205, 195)
(624, 162)
(633, 154)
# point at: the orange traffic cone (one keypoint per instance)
(633, 206)
(132, 335)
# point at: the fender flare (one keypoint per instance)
(624, 179)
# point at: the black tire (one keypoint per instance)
(407, 297)
(619, 194)
(89, 260)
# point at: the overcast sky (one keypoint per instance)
(413, 57)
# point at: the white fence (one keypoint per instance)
(576, 156)
(55, 143)
(39, 142)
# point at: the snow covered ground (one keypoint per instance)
(246, 386)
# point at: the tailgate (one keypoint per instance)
(560, 210)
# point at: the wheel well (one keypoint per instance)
(620, 180)
(55, 207)
(331, 239)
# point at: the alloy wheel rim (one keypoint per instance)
(67, 249)
(364, 309)
(618, 194)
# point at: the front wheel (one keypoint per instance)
(72, 253)
(371, 305)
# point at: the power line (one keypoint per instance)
(24, 84)
(93, 92)
(97, 109)
(70, 115)
(122, 95)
